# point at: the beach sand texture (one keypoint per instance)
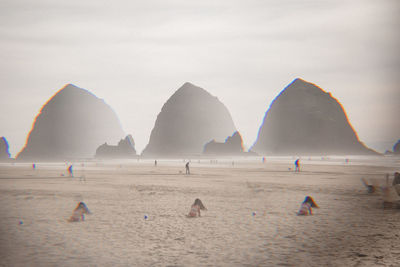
(251, 218)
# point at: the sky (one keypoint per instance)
(136, 54)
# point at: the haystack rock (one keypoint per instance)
(190, 118)
(233, 146)
(71, 125)
(396, 148)
(304, 119)
(124, 149)
(4, 153)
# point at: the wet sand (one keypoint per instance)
(251, 218)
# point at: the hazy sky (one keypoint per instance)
(136, 54)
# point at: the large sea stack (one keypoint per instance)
(306, 120)
(4, 153)
(71, 125)
(190, 118)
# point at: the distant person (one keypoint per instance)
(195, 208)
(33, 166)
(79, 211)
(155, 163)
(187, 168)
(70, 172)
(306, 206)
(396, 179)
(297, 165)
(263, 159)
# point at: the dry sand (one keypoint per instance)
(349, 229)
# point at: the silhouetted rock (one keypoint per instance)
(71, 125)
(396, 148)
(4, 153)
(190, 118)
(124, 149)
(233, 146)
(304, 119)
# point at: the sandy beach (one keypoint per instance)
(251, 218)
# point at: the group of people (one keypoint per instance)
(197, 206)
(305, 208)
(69, 169)
(195, 210)
(81, 209)
(186, 166)
(296, 164)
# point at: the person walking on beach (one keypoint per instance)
(187, 168)
(155, 163)
(195, 208)
(297, 165)
(71, 174)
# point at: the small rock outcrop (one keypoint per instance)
(124, 149)
(71, 125)
(233, 146)
(4, 153)
(190, 118)
(304, 119)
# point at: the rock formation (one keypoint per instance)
(4, 153)
(124, 149)
(304, 119)
(396, 148)
(71, 125)
(233, 146)
(190, 118)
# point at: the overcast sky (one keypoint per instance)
(136, 54)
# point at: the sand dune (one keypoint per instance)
(349, 229)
